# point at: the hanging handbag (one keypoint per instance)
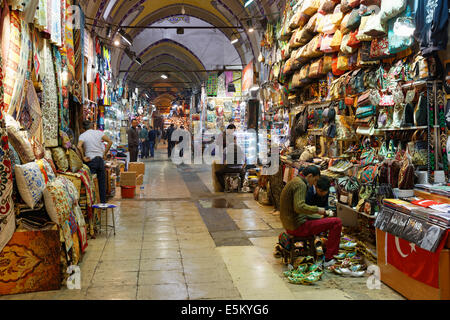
(397, 41)
(345, 6)
(311, 24)
(316, 69)
(326, 6)
(310, 7)
(344, 29)
(420, 112)
(371, 3)
(352, 41)
(345, 48)
(342, 63)
(375, 26)
(326, 44)
(327, 63)
(335, 69)
(391, 9)
(379, 48)
(364, 99)
(336, 41)
(354, 20)
(419, 148)
(365, 111)
(368, 173)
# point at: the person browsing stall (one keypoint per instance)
(93, 152)
(303, 220)
(133, 141)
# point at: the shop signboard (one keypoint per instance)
(247, 77)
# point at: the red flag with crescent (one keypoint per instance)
(418, 263)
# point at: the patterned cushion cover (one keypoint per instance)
(57, 201)
(75, 162)
(19, 140)
(30, 182)
(60, 159)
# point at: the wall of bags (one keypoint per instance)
(365, 81)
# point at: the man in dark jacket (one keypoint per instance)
(152, 134)
(317, 195)
(133, 141)
(170, 143)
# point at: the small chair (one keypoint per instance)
(103, 207)
(309, 247)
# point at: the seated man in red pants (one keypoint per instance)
(302, 220)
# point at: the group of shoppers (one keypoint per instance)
(143, 139)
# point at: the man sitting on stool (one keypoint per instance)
(303, 220)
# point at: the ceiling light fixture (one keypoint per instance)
(233, 41)
(249, 2)
(125, 36)
(183, 12)
(250, 26)
(117, 42)
(164, 76)
(138, 61)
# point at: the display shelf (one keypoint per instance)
(414, 84)
(355, 211)
(404, 129)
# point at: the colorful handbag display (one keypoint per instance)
(345, 6)
(391, 9)
(311, 24)
(352, 41)
(310, 7)
(374, 26)
(327, 63)
(345, 48)
(342, 63)
(361, 36)
(316, 69)
(368, 174)
(326, 6)
(344, 23)
(334, 67)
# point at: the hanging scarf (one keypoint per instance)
(79, 62)
(69, 45)
(54, 21)
(40, 17)
(62, 92)
(50, 100)
(22, 72)
(7, 218)
(11, 44)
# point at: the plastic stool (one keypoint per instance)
(103, 207)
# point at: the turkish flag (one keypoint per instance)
(418, 263)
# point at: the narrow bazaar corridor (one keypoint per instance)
(179, 240)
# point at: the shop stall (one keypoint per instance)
(360, 94)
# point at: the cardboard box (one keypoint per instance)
(128, 178)
(138, 167)
(140, 180)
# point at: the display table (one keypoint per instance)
(406, 285)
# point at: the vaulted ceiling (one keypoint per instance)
(183, 57)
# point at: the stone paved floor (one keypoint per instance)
(171, 243)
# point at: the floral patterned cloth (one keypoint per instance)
(49, 101)
(7, 218)
(40, 17)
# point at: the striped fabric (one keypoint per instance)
(12, 43)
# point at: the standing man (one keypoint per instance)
(152, 134)
(143, 136)
(93, 152)
(170, 144)
(133, 141)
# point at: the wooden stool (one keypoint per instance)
(103, 207)
(309, 245)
